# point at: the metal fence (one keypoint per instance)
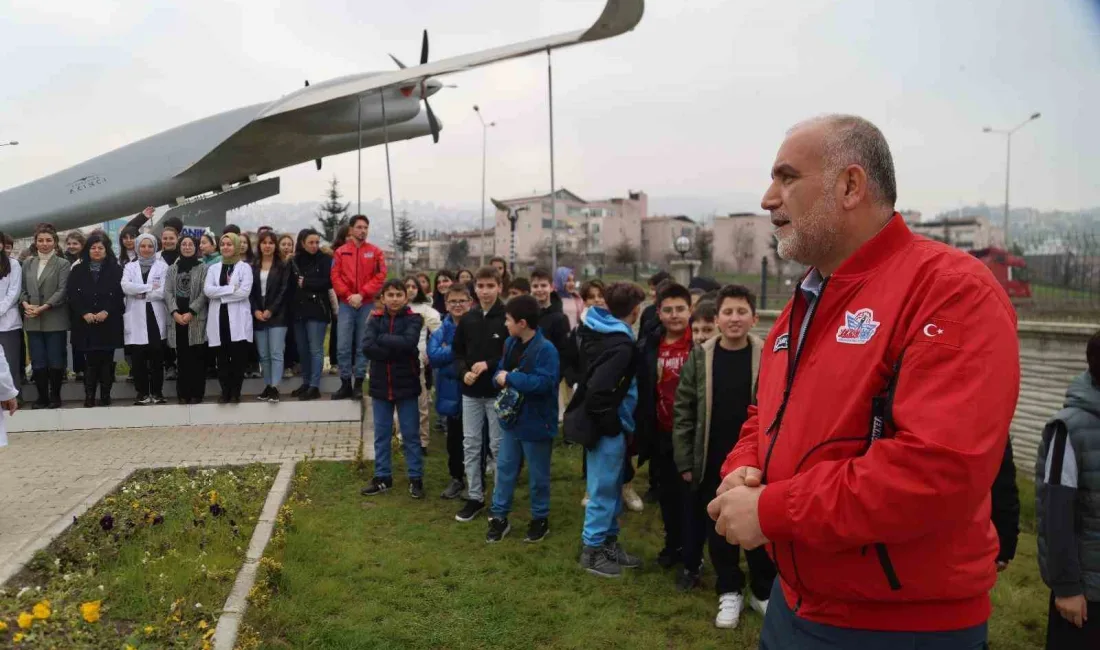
(1063, 269)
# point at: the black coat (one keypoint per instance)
(90, 296)
(645, 417)
(278, 277)
(609, 361)
(391, 342)
(554, 324)
(311, 301)
(1006, 506)
(480, 337)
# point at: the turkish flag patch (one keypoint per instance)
(943, 332)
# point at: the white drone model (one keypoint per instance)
(218, 152)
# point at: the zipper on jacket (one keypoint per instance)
(389, 366)
(777, 422)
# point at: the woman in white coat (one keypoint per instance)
(11, 324)
(229, 318)
(146, 319)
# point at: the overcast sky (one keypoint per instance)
(694, 102)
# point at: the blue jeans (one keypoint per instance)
(310, 337)
(352, 326)
(47, 350)
(783, 629)
(270, 343)
(605, 490)
(408, 419)
(512, 450)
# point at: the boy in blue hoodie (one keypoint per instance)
(528, 377)
(601, 416)
(448, 393)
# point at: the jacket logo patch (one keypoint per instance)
(858, 327)
(368, 255)
(943, 332)
(782, 342)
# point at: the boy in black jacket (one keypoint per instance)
(602, 419)
(391, 343)
(478, 347)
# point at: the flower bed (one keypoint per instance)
(149, 566)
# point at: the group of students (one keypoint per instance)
(509, 354)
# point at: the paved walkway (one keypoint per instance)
(47, 475)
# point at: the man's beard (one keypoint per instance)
(816, 234)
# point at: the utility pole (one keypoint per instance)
(1008, 162)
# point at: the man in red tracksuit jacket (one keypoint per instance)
(886, 390)
(358, 273)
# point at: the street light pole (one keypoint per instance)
(484, 145)
(553, 191)
(1008, 161)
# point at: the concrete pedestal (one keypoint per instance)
(682, 271)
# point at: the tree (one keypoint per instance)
(624, 253)
(333, 214)
(704, 247)
(405, 238)
(458, 251)
(744, 248)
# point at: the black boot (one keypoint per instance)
(106, 381)
(357, 392)
(56, 375)
(42, 385)
(345, 390)
(90, 382)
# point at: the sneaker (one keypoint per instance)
(600, 561)
(273, 396)
(416, 488)
(159, 399)
(631, 500)
(263, 396)
(729, 611)
(345, 390)
(668, 557)
(622, 558)
(377, 486)
(761, 606)
(498, 528)
(171, 373)
(299, 391)
(143, 400)
(686, 580)
(454, 489)
(470, 510)
(536, 530)
(584, 501)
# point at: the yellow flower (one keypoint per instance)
(135, 505)
(18, 637)
(129, 647)
(26, 619)
(90, 611)
(213, 497)
(149, 629)
(42, 610)
(203, 625)
(3, 626)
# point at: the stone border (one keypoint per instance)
(225, 636)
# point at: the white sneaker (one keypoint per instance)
(631, 500)
(760, 606)
(729, 611)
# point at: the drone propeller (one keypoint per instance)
(433, 123)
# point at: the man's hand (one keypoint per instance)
(267, 314)
(89, 318)
(501, 378)
(10, 405)
(744, 475)
(736, 517)
(355, 300)
(101, 316)
(469, 378)
(1073, 608)
(1002, 565)
(479, 367)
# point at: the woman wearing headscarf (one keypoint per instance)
(46, 315)
(11, 325)
(97, 305)
(185, 300)
(565, 284)
(312, 310)
(228, 286)
(146, 320)
(208, 248)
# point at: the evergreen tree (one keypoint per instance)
(332, 214)
(405, 240)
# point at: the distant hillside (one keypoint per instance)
(1028, 223)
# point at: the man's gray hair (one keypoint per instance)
(852, 140)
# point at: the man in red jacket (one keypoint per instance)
(886, 390)
(358, 273)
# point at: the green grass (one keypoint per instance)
(161, 552)
(352, 572)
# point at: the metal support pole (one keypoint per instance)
(484, 144)
(763, 282)
(359, 154)
(553, 194)
(389, 182)
(1008, 168)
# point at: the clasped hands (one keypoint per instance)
(475, 371)
(735, 509)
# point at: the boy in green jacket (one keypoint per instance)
(704, 431)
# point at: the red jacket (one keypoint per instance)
(884, 523)
(358, 269)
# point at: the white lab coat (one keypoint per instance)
(7, 391)
(235, 295)
(10, 287)
(134, 288)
